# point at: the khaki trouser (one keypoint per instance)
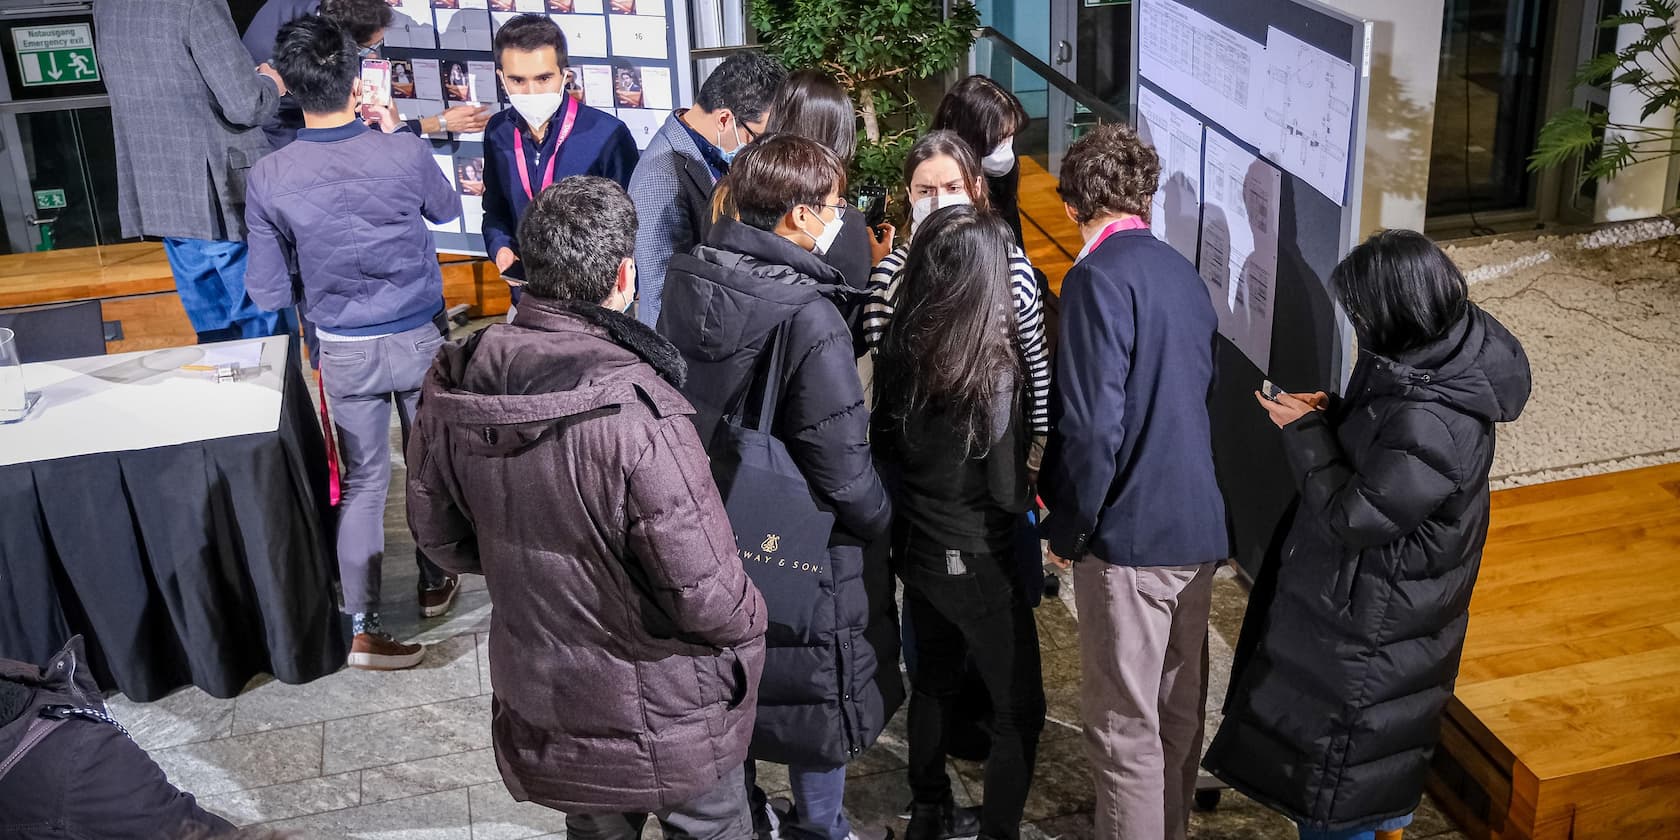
(1143, 654)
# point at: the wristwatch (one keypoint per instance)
(443, 124)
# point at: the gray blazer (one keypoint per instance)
(187, 107)
(672, 191)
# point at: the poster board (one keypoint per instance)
(1258, 110)
(629, 58)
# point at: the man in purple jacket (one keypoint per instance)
(337, 220)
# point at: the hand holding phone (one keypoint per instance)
(376, 82)
(1270, 390)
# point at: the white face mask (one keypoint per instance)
(924, 207)
(536, 108)
(830, 232)
(1001, 159)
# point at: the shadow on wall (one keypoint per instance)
(1397, 143)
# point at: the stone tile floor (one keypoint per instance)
(405, 756)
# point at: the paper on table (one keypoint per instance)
(242, 355)
(586, 35)
(1176, 209)
(1306, 97)
(635, 36)
(1240, 244)
(1208, 66)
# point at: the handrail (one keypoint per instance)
(1095, 105)
(703, 53)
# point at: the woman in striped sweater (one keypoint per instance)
(942, 171)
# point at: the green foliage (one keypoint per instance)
(876, 49)
(1649, 66)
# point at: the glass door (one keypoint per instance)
(1091, 47)
(1488, 105)
(66, 189)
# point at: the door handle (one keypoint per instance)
(1064, 52)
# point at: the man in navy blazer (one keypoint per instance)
(547, 136)
(1128, 477)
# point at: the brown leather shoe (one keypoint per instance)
(439, 600)
(380, 652)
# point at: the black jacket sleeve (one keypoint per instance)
(1407, 472)
(826, 426)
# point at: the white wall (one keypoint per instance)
(1641, 190)
(1405, 64)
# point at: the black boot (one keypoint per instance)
(942, 821)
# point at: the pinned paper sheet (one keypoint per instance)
(411, 26)
(1239, 253)
(1306, 97)
(446, 163)
(635, 36)
(464, 29)
(1175, 211)
(597, 80)
(586, 35)
(1209, 66)
(643, 124)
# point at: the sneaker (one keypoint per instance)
(440, 599)
(942, 821)
(380, 652)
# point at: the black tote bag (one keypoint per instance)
(780, 532)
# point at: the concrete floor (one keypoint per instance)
(405, 756)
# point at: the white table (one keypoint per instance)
(146, 399)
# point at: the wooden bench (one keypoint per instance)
(1566, 721)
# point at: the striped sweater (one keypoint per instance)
(1029, 323)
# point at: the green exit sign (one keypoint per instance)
(50, 200)
(57, 54)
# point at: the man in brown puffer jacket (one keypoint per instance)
(555, 456)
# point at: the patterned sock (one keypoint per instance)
(367, 622)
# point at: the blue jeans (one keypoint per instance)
(210, 277)
(819, 804)
(1356, 833)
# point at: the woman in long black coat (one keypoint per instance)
(1356, 628)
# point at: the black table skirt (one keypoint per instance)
(203, 564)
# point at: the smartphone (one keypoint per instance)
(1269, 390)
(376, 82)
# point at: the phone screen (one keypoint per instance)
(376, 81)
(1269, 390)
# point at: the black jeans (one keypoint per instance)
(970, 605)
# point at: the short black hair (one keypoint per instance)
(981, 112)
(779, 172)
(573, 237)
(529, 33)
(362, 18)
(812, 104)
(745, 83)
(1400, 290)
(319, 62)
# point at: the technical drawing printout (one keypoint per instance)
(1240, 244)
(1210, 67)
(1306, 98)
(1175, 212)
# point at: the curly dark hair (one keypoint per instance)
(1109, 170)
(363, 19)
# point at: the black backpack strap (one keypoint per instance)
(761, 393)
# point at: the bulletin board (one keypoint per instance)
(1257, 109)
(628, 58)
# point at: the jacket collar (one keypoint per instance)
(328, 135)
(563, 315)
(762, 246)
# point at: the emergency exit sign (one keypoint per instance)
(60, 54)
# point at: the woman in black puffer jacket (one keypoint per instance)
(831, 677)
(1355, 630)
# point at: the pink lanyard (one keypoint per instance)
(1128, 223)
(519, 148)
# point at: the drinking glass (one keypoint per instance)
(13, 400)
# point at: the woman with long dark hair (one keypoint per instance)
(988, 118)
(941, 171)
(1355, 629)
(951, 436)
(813, 105)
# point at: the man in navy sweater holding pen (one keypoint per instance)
(548, 135)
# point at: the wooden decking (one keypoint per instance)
(1052, 240)
(1566, 721)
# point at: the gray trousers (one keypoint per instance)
(717, 814)
(1143, 657)
(363, 379)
